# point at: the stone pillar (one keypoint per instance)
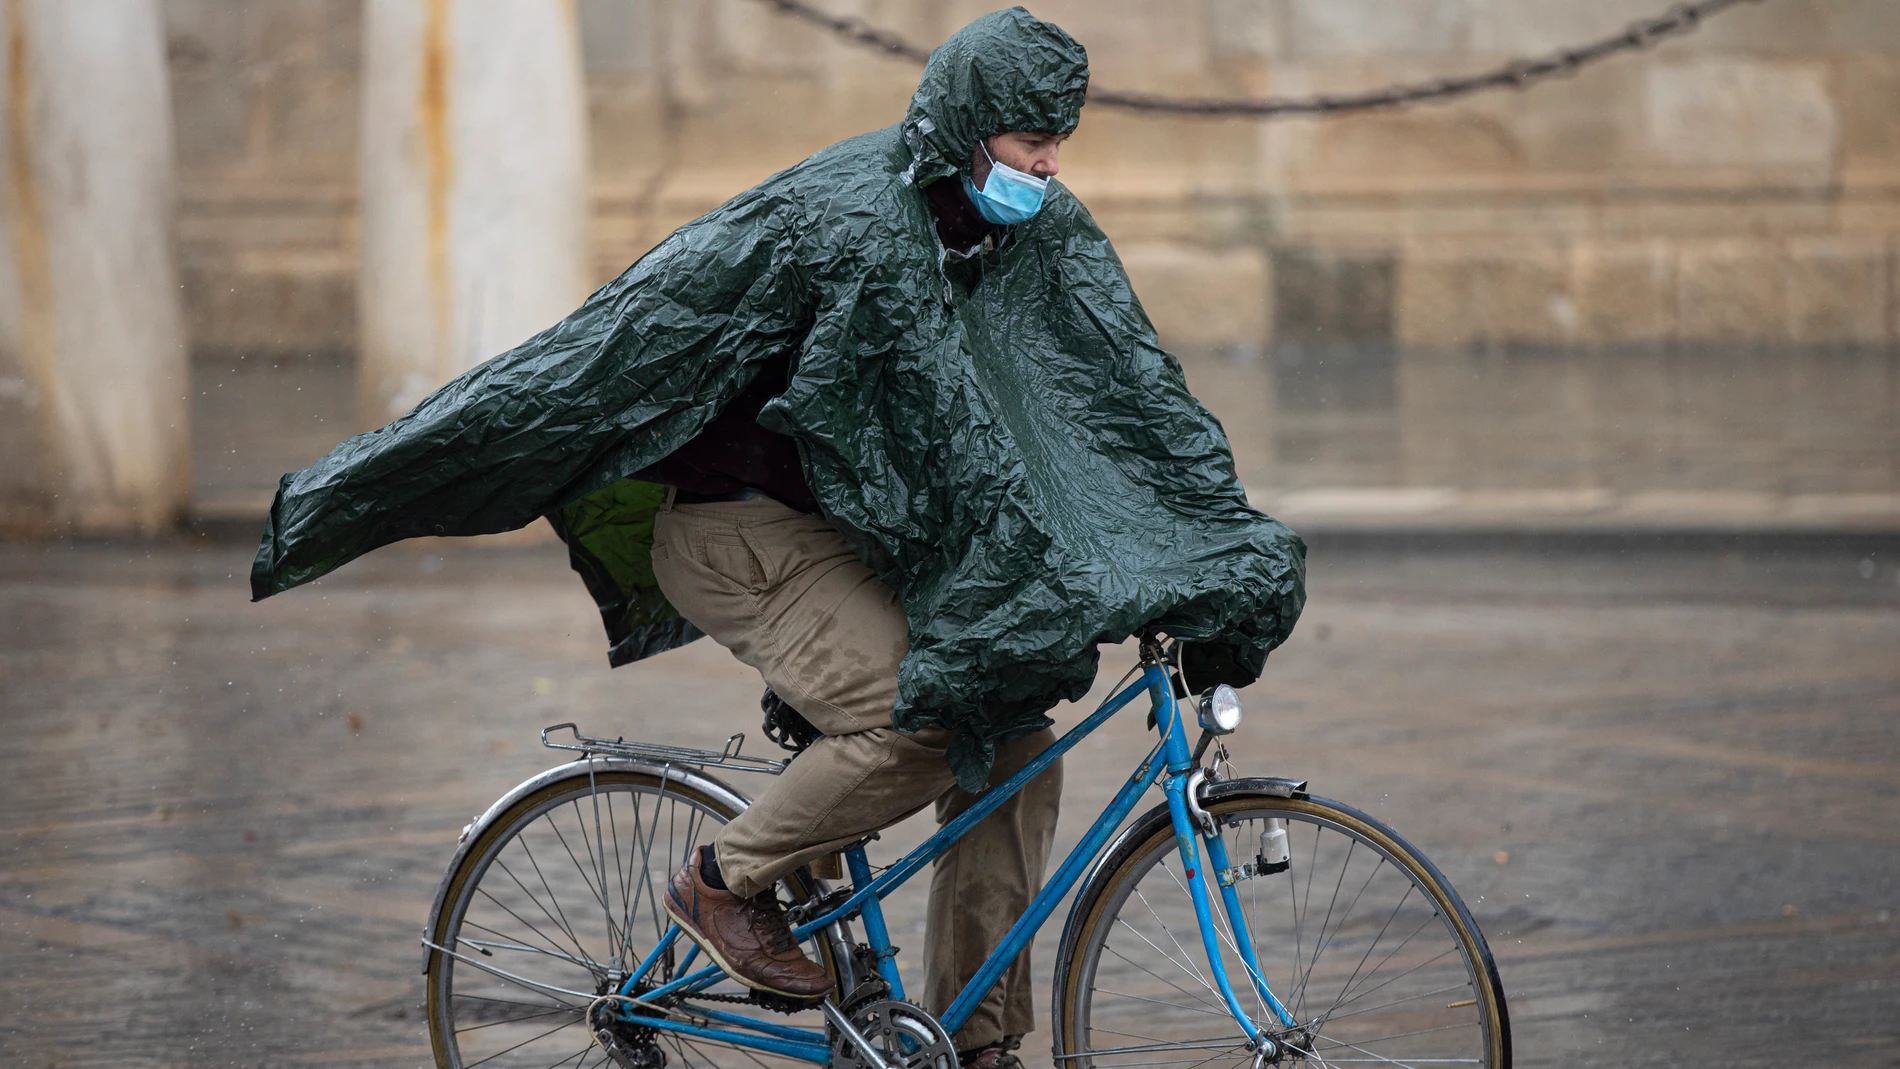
(94, 416)
(474, 188)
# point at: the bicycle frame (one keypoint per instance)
(1171, 761)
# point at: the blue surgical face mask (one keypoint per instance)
(1008, 195)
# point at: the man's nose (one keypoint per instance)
(1045, 167)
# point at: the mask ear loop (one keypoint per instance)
(983, 143)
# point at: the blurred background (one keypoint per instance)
(1586, 395)
(1660, 291)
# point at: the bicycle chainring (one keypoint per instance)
(904, 1034)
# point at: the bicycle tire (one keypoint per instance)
(1471, 995)
(465, 884)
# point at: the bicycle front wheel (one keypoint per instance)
(1362, 940)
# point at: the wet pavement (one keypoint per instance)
(1665, 775)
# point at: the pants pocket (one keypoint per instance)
(728, 554)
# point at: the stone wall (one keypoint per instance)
(1740, 185)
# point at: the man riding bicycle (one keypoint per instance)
(892, 428)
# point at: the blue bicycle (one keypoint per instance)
(1243, 922)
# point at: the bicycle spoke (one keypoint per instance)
(1191, 968)
(1220, 1043)
(519, 981)
(509, 1001)
(1126, 1035)
(1161, 1002)
(483, 891)
(646, 862)
(1397, 1001)
(1319, 948)
(1426, 923)
(566, 925)
(1361, 941)
(1293, 967)
(600, 865)
(578, 1058)
(518, 1046)
(621, 945)
(1225, 931)
(1347, 986)
(1234, 1050)
(559, 923)
(1149, 971)
(485, 945)
(511, 1020)
(1407, 1063)
(1403, 1035)
(585, 870)
(1190, 973)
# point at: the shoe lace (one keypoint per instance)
(768, 920)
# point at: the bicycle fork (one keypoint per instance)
(1183, 777)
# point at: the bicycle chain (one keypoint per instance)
(762, 999)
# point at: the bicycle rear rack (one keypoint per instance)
(654, 753)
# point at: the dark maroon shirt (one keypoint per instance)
(734, 453)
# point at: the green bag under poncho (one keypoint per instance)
(1000, 437)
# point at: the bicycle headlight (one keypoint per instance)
(1220, 710)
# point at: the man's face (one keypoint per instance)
(1030, 153)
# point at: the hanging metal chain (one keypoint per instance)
(1680, 19)
(852, 29)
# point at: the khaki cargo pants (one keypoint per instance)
(784, 592)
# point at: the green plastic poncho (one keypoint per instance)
(1000, 437)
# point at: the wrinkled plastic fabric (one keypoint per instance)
(1000, 437)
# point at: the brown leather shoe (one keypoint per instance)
(747, 937)
(994, 1056)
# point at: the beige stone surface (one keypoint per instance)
(1734, 291)
(1728, 111)
(1858, 24)
(1203, 297)
(1772, 119)
(1838, 290)
(1246, 27)
(1624, 292)
(1867, 85)
(1532, 26)
(1353, 27)
(1502, 293)
(1893, 293)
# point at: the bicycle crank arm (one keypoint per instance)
(843, 1025)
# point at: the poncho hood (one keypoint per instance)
(1006, 72)
(1000, 437)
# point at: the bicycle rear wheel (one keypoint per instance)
(555, 902)
(1363, 940)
